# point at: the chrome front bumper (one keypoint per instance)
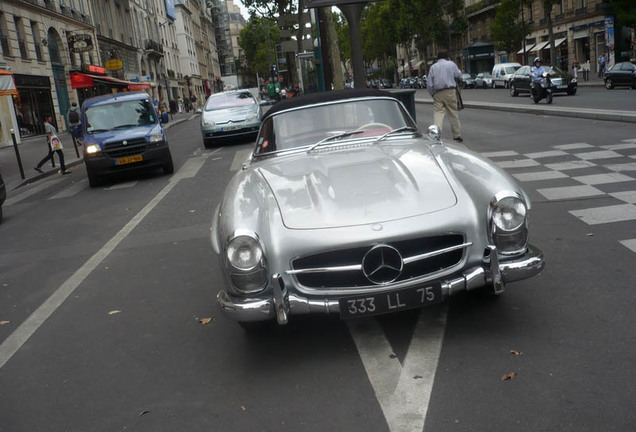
(280, 304)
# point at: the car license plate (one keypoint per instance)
(376, 304)
(129, 159)
(562, 86)
(230, 128)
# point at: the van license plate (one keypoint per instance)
(129, 159)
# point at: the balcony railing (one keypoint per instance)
(583, 10)
(151, 45)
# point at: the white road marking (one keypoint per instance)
(550, 153)
(607, 214)
(568, 192)
(500, 154)
(122, 185)
(629, 244)
(618, 146)
(627, 196)
(540, 175)
(403, 392)
(17, 339)
(572, 146)
(565, 166)
(603, 154)
(24, 195)
(598, 179)
(521, 163)
(622, 167)
(70, 191)
(240, 157)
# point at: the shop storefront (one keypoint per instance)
(33, 103)
(91, 85)
(479, 57)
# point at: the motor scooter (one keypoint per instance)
(542, 89)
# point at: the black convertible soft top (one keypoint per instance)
(330, 96)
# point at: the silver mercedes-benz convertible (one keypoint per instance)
(345, 208)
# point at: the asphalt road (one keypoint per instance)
(105, 289)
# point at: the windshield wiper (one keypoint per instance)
(394, 131)
(334, 137)
(98, 130)
(125, 126)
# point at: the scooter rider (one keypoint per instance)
(537, 71)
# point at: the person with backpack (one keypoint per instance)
(73, 117)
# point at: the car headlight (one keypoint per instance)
(573, 80)
(92, 149)
(509, 223)
(251, 117)
(156, 138)
(248, 272)
(207, 122)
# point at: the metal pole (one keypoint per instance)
(353, 13)
(523, 30)
(17, 154)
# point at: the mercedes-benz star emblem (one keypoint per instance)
(124, 142)
(382, 264)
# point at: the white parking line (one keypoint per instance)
(16, 339)
(70, 191)
(240, 157)
(124, 185)
(403, 391)
(24, 195)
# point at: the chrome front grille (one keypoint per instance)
(132, 147)
(348, 268)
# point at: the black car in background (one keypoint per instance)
(621, 74)
(562, 82)
(3, 195)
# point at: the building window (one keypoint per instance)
(35, 32)
(4, 38)
(19, 29)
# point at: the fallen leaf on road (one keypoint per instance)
(590, 234)
(513, 352)
(205, 321)
(508, 376)
(113, 312)
(4, 322)
(243, 408)
(144, 412)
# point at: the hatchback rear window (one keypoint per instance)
(229, 100)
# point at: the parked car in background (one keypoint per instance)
(345, 208)
(420, 82)
(483, 80)
(3, 195)
(386, 83)
(230, 115)
(621, 74)
(502, 73)
(562, 82)
(467, 80)
(122, 132)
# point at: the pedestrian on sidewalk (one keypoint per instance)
(442, 85)
(51, 132)
(575, 67)
(601, 65)
(73, 116)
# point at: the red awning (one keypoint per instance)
(82, 80)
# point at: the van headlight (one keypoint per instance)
(508, 216)
(247, 264)
(156, 138)
(92, 149)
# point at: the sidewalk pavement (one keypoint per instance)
(33, 149)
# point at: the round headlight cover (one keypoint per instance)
(244, 252)
(509, 213)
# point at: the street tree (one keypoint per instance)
(258, 41)
(507, 29)
(548, 5)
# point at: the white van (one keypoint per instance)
(502, 73)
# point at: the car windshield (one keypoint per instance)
(354, 120)
(512, 69)
(230, 100)
(553, 70)
(119, 115)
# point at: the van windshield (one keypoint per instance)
(119, 115)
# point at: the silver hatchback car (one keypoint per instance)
(227, 115)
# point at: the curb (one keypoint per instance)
(582, 113)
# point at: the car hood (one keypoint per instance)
(130, 134)
(359, 186)
(230, 114)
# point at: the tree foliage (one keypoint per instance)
(258, 40)
(625, 12)
(507, 28)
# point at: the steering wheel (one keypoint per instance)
(371, 125)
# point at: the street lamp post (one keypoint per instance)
(523, 31)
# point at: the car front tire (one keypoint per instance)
(168, 166)
(609, 84)
(513, 91)
(93, 179)
(572, 92)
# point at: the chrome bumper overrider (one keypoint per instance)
(280, 304)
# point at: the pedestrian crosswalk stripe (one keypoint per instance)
(601, 154)
(598, 179)
(121, 185)
(630, 244)
(70, 191)
(607, 214)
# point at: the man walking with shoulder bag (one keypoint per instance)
(442, 85)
